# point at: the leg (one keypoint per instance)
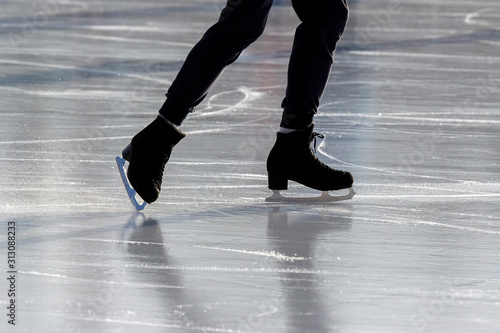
(240, 24)
(291, 158)
(323, 22)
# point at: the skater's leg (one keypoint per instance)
(323, 22)
(240, 24)
(291, 158)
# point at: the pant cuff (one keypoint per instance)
(174, 113)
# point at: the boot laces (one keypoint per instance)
(313, 138)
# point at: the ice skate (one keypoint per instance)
(147, 155)
(132, 194)
(292, 158)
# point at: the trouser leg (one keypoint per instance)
(240, 24)
(323, 22)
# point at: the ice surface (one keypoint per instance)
(412, 110)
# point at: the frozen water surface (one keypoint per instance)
(412, 110)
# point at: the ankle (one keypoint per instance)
(169, 122)
(285, 130)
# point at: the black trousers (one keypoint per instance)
(240, 24)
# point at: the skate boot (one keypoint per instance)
(292, 158)
(147, 154)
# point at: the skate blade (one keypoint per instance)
(130, 191)
(324, 197)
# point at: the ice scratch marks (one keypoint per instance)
(272, 254)
(486, 18)
(431, 224)
(322, 151)
(437, 196)
(84, 69)
(234, 269)
(124, 39)
(226, 100)
(66, 277)
(118, 241)
(63, 140)
(220, 269)
(422, 55)
(432, 118)
(151, 324)
(481, 17)
(85, 94)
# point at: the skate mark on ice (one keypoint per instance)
(476, 19)
(189, 327)
(296, 270)
(118, 241)
(490, 42)
(422, 55)
(221, 269)
(221, 187)
(473, 190)
(418, 117)
(230, 127)
(448, 214)
(248, 96)
(107, 282)
(216, 163)
(121, 39)
(84, 69)
(273, 254)
(64, 140)
(322, 152)
(432, 224)
(437, 196)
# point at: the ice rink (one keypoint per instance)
(411, 109)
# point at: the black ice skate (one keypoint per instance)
(147, 155)
(292, 158)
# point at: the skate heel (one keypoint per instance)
(127, 152)
(277, 181)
